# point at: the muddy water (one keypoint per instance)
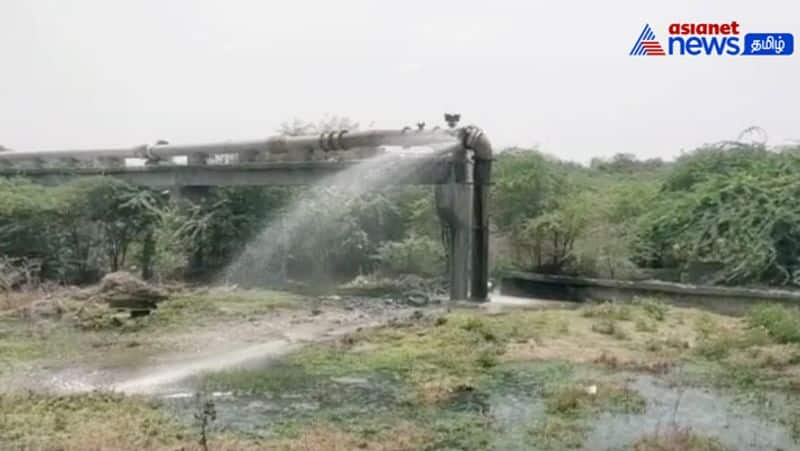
(511, 400)
(738, 425)
(344, 399)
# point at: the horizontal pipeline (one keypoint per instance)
(329, 141)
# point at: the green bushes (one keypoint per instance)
(75, 231)
(414, 254)
(735, 210)
(727, 213)
(565, 218)
(781, 323)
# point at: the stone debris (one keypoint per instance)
(123, 290)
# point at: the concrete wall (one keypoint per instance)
(577, 289)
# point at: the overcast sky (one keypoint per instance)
(557, 74)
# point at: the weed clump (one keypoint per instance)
(578, 400)
(781, 323)
(569, 406)
(653, 308)
(86, 421)
(558, 433)
(609, 311)
(678, 439)
(610, 327)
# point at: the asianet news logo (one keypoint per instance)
(712, 39)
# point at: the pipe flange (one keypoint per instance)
(340, 140)
(321, 142)
(332, 141)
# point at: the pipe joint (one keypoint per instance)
(476, 140)
(332, 141)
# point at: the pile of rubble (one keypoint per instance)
(116, 301)
(409, 288)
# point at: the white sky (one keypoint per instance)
(87, 73)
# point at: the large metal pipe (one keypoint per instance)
(329, 141)
(476, 140)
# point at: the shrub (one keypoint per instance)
(781, 323)
(415, 255)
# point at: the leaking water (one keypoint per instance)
(321, 204)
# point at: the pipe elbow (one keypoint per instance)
(476, 140)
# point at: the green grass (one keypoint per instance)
(185, 309)
(780, 322)
(275, 379)
(570, 405)
(609, 311)
(558, 433)
(678, 440)
(36, 421)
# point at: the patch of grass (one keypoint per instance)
(328, 437)
(438, 361)
(677, 439)
(276, 378)
(461, 431)
(722, 342)
(15, 350)
(653, 308)
(792, 421)
(705, 326)
(558, 433)
(218, 302)
(23, 343)
(570, 405)
(610, 327)
(611, 311)
(87, 421)
(578, 400)
(780, 322)
(643, 325)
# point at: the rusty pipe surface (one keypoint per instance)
(328, 141)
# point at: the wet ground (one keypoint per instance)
(500, 410)
(510, 405)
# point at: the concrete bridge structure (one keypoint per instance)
(460, 169)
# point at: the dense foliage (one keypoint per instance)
(727, 213)
(734, 207)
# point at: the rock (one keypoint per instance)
(124, 290)
(417, 298)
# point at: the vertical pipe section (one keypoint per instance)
(480, 238)
(454, 207)
(476, 140)
(462, 205)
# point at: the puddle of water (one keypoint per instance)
(262, 414)
(705, 411)
(512, 399)
(515, 405)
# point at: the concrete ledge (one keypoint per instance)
(580, 289)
